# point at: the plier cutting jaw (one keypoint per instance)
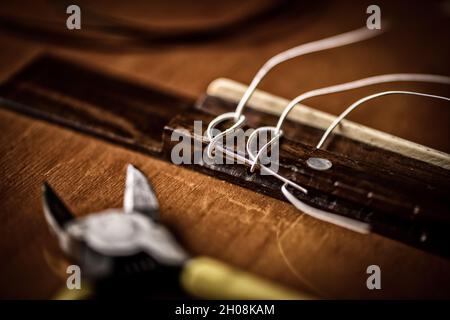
(103, 242)
(127, 251)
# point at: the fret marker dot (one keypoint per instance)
(320, 164)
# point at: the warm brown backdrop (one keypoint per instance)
(212, 217)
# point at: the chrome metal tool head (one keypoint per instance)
(100, 240)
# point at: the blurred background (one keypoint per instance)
(184, 45)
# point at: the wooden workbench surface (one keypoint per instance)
(212, 217)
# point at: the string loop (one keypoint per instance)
(319, 45)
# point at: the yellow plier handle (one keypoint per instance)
(207, 278)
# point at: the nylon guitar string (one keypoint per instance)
(327, 43)
(239, 119)
(319, 163)
(324, 164)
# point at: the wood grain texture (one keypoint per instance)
(406, 202)
(251, 231)
(211, 217)
(404, 199)
(99, 104)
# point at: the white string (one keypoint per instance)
(243, 159)
(393, 77)
(214, 139)
(315, 46)
(239, 118)
(345, 222)
(348, 223)
(319, 45)
(361, 101)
